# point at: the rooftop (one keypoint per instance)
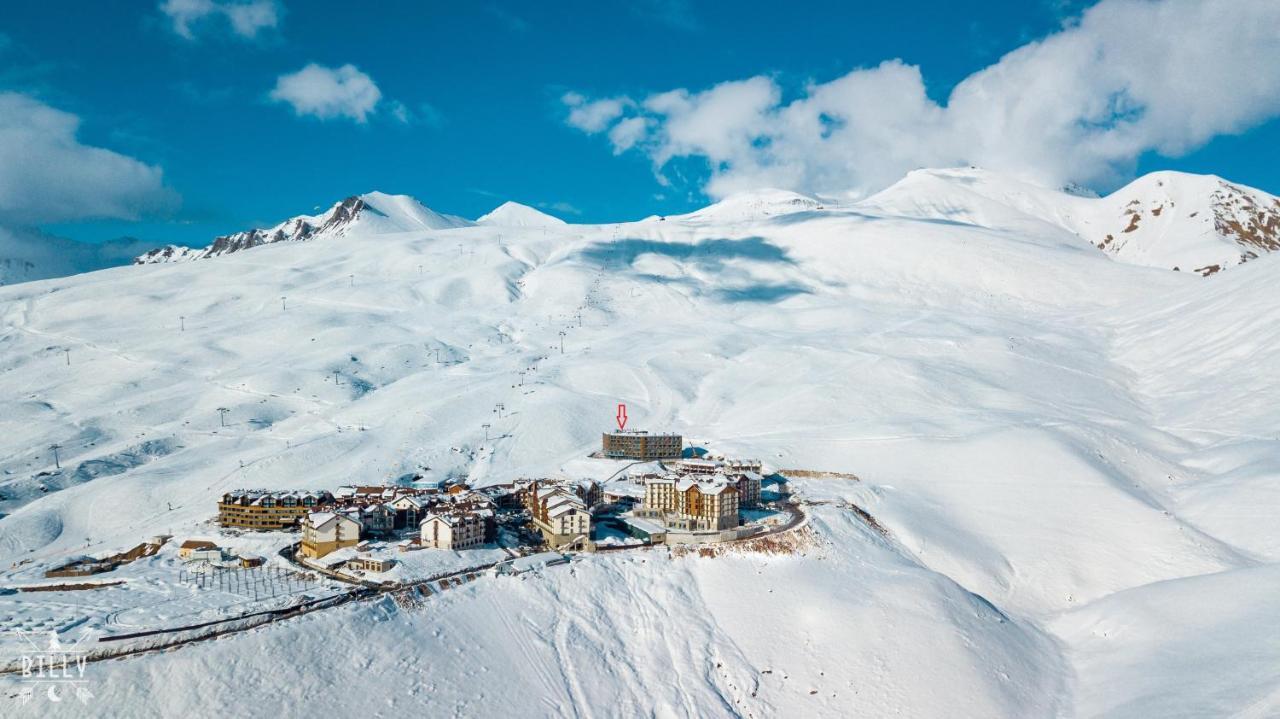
(640, 433)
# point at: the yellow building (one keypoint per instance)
(561, 514)
(262, 511)
(692, 505)
(195, 547)
(325, 532)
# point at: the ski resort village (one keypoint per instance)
(273, 554)
(661, 359)
(393, 421)
(398, 421)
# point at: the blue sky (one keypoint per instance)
(471, 107)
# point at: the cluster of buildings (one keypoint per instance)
(465, 521)
(456, 519)
(698, 499)
(689, 499)
(201, 553)
(561, 510)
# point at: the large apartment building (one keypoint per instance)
(452, 529)
(325, 532)
(743, 473)
(691, 504)
(461, 521)
(640, 445)
(262, 510)
(561, 512)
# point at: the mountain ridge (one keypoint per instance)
(1172, 220)
(380, 211)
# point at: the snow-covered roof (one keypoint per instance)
(645, 525)
(336, 557)
(537, 561)
(699, 463)
(320, 519)
(560, 499)
(706, 485)
(624, 489)
(410, 499)
(451, 518)
(566, 508)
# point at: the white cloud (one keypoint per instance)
(329, 92)
(563, 208)
(423, 114)
(1080, 105)
(46, 175)
(627, 133)
(592, 117)
(401, 112)
(246, 18)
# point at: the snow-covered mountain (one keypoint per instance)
(754, 205)
(1068, 459)
(1177, 221)
(368, 214)
(1172, 220)
(514, 214)
(1197, 223)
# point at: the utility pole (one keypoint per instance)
(353, 280)
(182, 323)
(282, 304)
(55, 447)
(498, 408)
(437, 351)
(68, 351)
(561, 341)
(222, 415)
(486, 431)
(336, 381)
(521, 378)
(419, 270)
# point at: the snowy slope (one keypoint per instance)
(754, 205)
(514, 214)
(1054, 442)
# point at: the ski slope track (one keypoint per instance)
(1071, 450)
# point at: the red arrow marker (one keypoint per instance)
(622, 416)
